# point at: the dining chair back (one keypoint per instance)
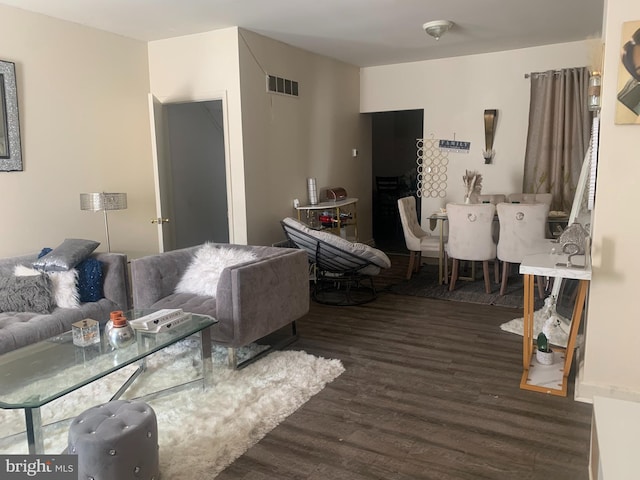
(494, 198)
(522, 232)
(530, 198)
(470, 237)
(418, 241)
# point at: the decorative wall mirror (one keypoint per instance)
(10, 148)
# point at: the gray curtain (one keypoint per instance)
(558, 137)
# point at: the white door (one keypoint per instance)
(162, 175)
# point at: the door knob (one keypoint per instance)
(160, 221)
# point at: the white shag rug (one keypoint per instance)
(200, 432)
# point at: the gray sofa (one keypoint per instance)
(253, 299)
(18, 329)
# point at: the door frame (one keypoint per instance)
(193, 98)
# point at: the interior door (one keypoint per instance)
(162, 175)
(198, 172)
(190, 173)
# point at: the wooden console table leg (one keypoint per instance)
(441, 257)
(576, 318)
(527, 327)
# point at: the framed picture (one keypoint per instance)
(10, 147)
(628, 96)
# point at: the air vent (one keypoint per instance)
(282, 85)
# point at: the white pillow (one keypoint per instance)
(65, 290)
(202, 275)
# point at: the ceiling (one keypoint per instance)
(359, 32)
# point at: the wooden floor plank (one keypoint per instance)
(430, 391)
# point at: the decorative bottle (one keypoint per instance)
(118, 331)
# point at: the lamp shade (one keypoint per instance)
(96, 202)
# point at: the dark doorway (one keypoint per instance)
(394, 137)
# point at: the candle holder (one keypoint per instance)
(85, 332)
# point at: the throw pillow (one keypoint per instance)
(63, 284)
(203, 273)
(66, 256)
(90, 280)
(25, 294)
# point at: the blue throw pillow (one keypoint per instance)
(89, 278)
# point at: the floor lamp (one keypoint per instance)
(104, 202)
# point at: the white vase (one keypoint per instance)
(467, 199)
(544, 358)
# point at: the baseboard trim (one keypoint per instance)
(584, 392)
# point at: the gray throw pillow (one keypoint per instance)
(25, 294)
(66, 256)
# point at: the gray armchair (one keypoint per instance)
(253, 299)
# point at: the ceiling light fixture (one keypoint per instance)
(437, 28)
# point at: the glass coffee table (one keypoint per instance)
(41, 363)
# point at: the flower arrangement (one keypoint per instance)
(472, 184)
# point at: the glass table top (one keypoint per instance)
(35, 375)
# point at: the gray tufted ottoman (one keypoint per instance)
(116, 441)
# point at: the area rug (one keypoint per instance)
(200, 432)
(425, 284)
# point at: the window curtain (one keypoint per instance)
(558, 137)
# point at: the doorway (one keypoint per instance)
(192, 178)
(394, 137)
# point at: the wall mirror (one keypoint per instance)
(10, 148)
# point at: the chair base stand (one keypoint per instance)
(232, 353)
(344, 290)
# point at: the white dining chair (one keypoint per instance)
(418, 241)
(470, 238)
(522, 233)
(545, 198)
(494, 198)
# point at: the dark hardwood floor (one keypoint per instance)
(430, 391)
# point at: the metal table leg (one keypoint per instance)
(35, 438)
(207, 360)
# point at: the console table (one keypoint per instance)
(551, 379)
(343, 212)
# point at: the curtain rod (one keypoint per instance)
(555, 72)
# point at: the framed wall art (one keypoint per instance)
(10, 147)
(628, 91)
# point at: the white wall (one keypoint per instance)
(84, 127)
(274, 142)
(611, 360)
(205, 67)
(287, 139)
(454, 92)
